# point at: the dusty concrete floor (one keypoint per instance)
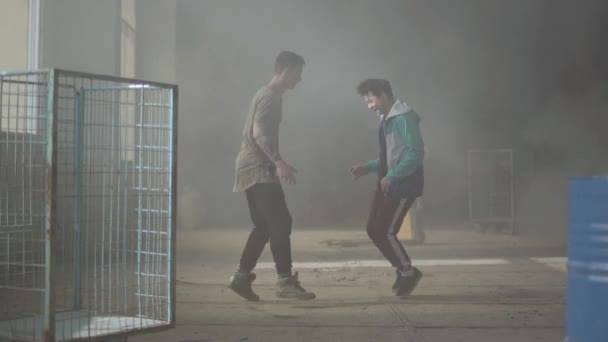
(476, 288)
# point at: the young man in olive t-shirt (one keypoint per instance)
(259, 169)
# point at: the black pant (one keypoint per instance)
(384, 222)
(272, 222)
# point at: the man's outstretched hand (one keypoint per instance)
(358, 170)
(286, 171)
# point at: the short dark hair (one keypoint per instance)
(288, 59)
(376, 86)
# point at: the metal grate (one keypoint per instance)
(97, 171)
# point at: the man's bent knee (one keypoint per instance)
(281, 225)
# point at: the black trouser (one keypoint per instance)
(272, 222)
(384, 222)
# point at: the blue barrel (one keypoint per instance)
(587, 300)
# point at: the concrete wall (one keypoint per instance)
(155, 43)
(425, 51)
(81, 35)
(466, 66)
(13, 34)
(90, 35)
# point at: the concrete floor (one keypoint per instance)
(476, 288)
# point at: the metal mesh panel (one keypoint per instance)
(113, 201)
(23, 185)
(490, 187)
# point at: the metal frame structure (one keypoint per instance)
(88, 167)
(491, 189)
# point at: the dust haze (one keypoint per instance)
(526, 75)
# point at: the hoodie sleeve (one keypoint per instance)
(372, 165)
(409, 130)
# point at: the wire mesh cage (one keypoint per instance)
(491, 189)
(87, 203)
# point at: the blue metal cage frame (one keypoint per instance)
(88, 165)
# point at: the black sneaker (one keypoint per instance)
(405, 284)
(290, 288)
(241, 284)
(396, 283)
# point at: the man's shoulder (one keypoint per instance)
(267, 93)
(409, 117)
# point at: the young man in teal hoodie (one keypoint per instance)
(400, 177)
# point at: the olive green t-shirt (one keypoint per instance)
(253, 166)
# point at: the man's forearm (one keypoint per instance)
(266, 143)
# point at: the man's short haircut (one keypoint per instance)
(288, 59)
(376, 86)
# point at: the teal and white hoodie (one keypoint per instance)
(401, 151)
